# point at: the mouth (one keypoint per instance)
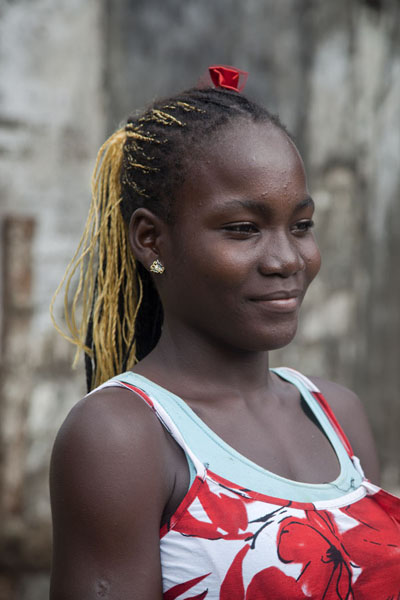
(283, 301)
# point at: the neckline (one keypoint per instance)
(311, 402)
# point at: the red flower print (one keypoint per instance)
(374, 545)
(276, 584)
(232, 587)
(227, 515)
(314, 542)
(181, 588)
(269, 581)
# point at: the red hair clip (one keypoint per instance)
(228, 77)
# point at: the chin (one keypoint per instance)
(261, 338)
(279, 337)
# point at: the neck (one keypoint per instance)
(192, 361)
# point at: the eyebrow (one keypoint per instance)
(305, 203)
(264, 209)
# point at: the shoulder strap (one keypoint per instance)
(317, 394)
(163, 417)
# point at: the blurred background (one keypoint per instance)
(70, 73)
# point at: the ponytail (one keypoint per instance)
(101, 316)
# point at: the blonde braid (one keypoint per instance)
(108, 284)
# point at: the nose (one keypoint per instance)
(281, 255)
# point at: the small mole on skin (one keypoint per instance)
(102, 589)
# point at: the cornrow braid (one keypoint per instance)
(140, 165)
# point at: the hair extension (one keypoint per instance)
(115, 315)
(109, 288)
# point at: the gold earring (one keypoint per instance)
(157, 267)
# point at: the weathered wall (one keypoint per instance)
(70, 71)
(51, 124)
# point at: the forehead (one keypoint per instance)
(244, 159)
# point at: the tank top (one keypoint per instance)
(230, 541)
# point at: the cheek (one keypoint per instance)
(312, 259)
(225, 267)
(204, 255)
(202, 265)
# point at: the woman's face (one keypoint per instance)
(241, 254)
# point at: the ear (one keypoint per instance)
(145, 232)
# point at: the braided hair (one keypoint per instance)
(141, 165)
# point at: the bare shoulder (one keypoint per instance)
(108, 432)
(351, 415)
(112, 418)
(107, 479)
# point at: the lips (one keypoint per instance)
(281, 301)
(278, 295)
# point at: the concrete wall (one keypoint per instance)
(70, 72)
(52, 120)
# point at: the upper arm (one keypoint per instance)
(351, 416)
(108, 489)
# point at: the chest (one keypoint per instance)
(287, 441)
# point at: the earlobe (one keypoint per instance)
(145, 230)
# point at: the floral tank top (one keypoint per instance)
(228, 542)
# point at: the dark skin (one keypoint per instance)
(241, 235)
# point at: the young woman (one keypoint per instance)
(194, 470)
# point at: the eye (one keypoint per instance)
(303, 226)
(241, 229)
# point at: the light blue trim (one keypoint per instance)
(230, 464)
